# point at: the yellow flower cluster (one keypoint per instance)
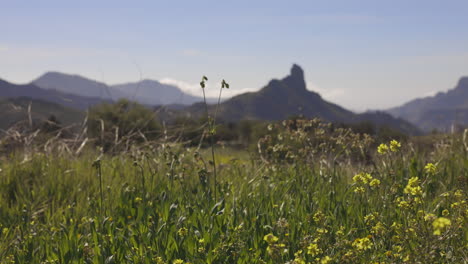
(430, 168)
(364, 179)
(313, 249)
(440, 224)
(413, 187)
(393, 146)
(362, 244)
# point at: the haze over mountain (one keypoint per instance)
(439, 111)
(155, 93)
(147, 92)
(10, 90)
(78, 85)
(281, 99)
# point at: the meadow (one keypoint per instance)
(307, 193)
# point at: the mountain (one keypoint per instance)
(152, 92)
(437, 112)
(10, 90)
(15, 110)
(77, 85)
(147, 92)
(282, 99)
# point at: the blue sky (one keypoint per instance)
(360, 54)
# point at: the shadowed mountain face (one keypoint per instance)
(439, 111)
(155, 93)
(16, 109)
(9, 90)
(147, 92)
(282, 99)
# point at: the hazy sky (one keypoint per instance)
(360, 54)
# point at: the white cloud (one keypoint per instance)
(328, 94)
(210, 90)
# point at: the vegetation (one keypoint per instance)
(311, 195)
(298, 191)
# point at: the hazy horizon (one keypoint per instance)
(361, 55)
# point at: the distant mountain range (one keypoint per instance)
(148, 92)
(281, 99)
(10, 90)
(437, 112)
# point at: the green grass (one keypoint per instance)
(159, 207)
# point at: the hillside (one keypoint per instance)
(439, 111)
(10, 90)
(152, 92)
(282, 99)
(149, 92)
(16, 109)
(77, 85)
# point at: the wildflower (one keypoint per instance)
(182, 232)
(270, 238)
(394, 145)
(318, 217)
(138, 199)
(340, 231)
(430, 168)
(374, 182)
(429, 217)
(440, 224)
(445, 212)
(359, 190)
(413, 187)
(322, 230)
(379, 228)
(325, 260)
(178, 261)
(364, 178)
(313, 250)
(382, 149)
(458, 193)
(369, 218)
(362, 244)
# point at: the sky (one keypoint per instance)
(362, 55)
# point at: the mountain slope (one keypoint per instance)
(155, 93)
(77, 85)
(281, 99)
(16, 109)
(9, 90)
(147, 92)
(439, 111)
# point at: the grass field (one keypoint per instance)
(157, 205)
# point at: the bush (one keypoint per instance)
(123, 121)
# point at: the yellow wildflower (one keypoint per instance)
(325, 260)
(382, 149)
(313, 250)
(430, 168)
(182, 232)
(374, 182)
(440, 224)
(362, 244)
(270, 238)
(394, 145)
